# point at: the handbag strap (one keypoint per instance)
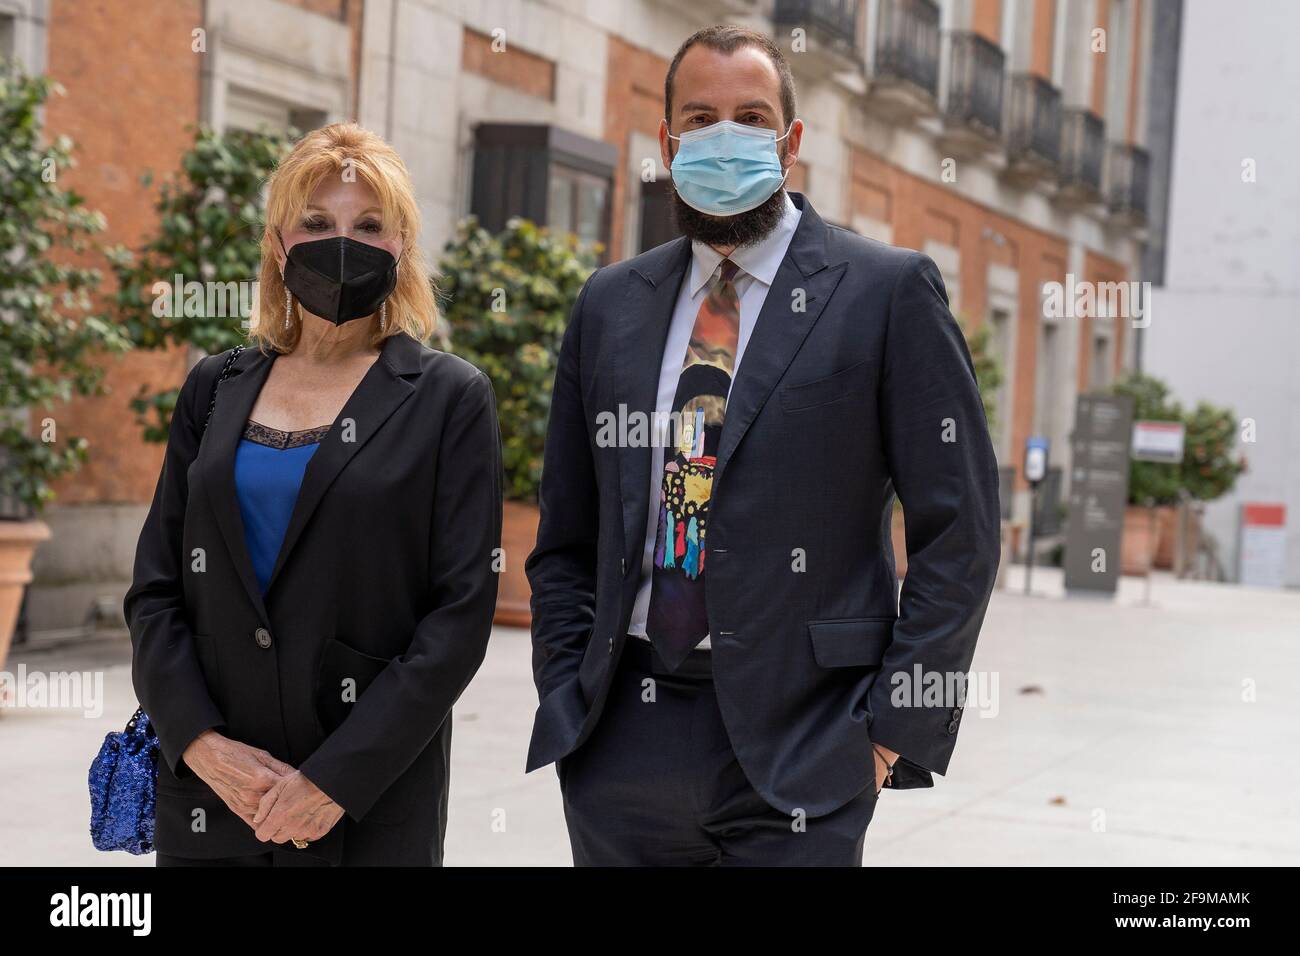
(225, 373)
(135, 719)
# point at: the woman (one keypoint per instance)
(315, 583)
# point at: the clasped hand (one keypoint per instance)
(273, 798)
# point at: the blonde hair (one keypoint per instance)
(336, 149)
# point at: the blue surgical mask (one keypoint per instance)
(727, 168)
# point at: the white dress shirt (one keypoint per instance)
(757, 264)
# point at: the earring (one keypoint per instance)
(288, 306)
(383, 307)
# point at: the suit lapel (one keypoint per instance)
(381, 392)
(638, 353)
(783, 323)
(235, 399)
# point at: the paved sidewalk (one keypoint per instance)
(1121, 736)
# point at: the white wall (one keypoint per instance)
(1227, 326)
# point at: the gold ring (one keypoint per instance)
(300, 844)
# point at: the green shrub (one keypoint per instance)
(507, 300)
(209, 230)
(49, 338)
(1208, 469)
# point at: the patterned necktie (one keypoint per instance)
(678, 620)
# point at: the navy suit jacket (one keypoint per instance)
(856, 385)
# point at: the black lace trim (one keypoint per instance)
(274, 438)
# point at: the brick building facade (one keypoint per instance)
(1005, 138)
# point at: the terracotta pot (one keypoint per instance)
(1167, 533)
(18, 542)
(518, 537)
(1138, 540)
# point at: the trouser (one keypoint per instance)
(658, 784)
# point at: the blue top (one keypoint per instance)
(269, 468)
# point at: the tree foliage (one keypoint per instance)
(209, 228)
(1209, 468)
(49, 336)
(988, 371)
(507, 302)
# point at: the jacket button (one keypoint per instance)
(952, 726)
(263, 638)
(611, 645)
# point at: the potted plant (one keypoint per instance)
(48, 336)
(1153, 486)
(507, 300)
(1208, 470)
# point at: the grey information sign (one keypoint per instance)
(1047, 508)
(1098, 492)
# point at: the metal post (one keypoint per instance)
(1033, 511)
(1154, 533)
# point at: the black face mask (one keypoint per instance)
(339, 279)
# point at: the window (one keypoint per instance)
(1099, 368)
(274, 65)
(1101, 358)
(249, 110)
(657, 224)
(948, 258)
(577, 203)
(1118, 60)
(1000, 350)
(549, 175)
(1047, 378)
(8, 44)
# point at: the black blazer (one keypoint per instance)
(835, 408)
(385, 578)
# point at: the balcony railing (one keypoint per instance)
(1128, 174)
(1082, 154)
(834, 22)
(975, 83)
(1033, 124)
(907, 44)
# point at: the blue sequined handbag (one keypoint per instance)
(123, 782)
(124, 774)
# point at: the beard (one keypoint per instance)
(741, 229)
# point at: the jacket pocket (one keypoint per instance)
(851, 642)
(823, 391)
(342, 678)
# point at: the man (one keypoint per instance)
(726, 672)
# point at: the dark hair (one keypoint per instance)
(726, 38)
